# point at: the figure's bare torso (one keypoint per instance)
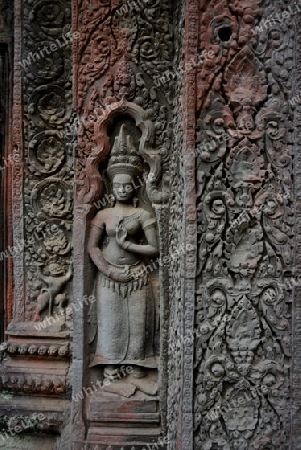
(131, 219)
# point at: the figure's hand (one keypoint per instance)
(121, 235)
(120, 275)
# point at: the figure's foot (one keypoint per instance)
(120, 388)
(111, 373)
(145, 385)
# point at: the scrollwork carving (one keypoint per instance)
(47, 104)
(46, 153)
(245, 217)
(52, 198)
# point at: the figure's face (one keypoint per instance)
(123, 187)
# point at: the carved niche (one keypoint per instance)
(124, 140)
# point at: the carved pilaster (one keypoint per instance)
(245, 218)
(36, 354)
(296, 310)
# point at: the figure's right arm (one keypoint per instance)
(96, 236)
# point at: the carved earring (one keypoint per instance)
(113, 201)
(135, 202)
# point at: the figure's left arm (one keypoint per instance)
(150, 249)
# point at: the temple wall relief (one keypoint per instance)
(121, 211)
(245, 215)
(151, 278)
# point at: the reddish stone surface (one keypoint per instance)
(212, 114)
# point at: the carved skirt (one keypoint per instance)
(125, 320)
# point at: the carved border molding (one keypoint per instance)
(296, 330)
(189, 95)
(6, 42)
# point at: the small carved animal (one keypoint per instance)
(52, 294)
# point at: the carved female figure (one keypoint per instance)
(121, 238)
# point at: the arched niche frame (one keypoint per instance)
(92, 188)
(89, 188)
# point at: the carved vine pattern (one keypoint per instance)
(48, 196)
(245, 229)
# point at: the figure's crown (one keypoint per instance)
(124, 158)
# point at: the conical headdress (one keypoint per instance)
(124, 158)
